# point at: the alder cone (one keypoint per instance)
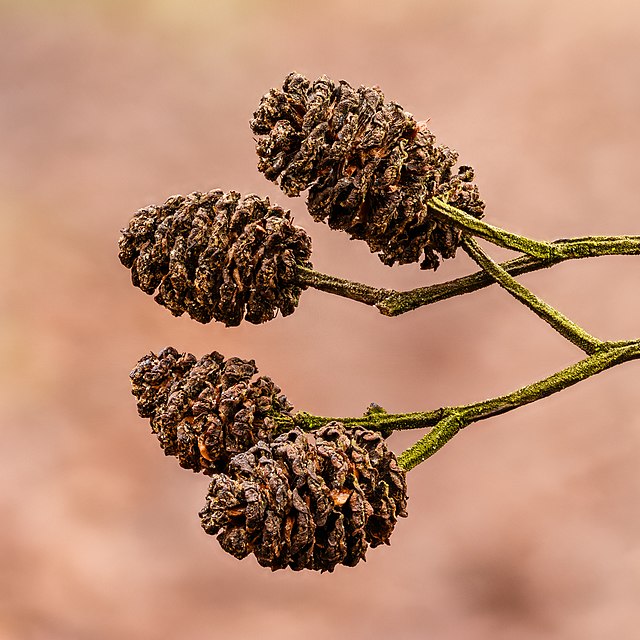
(205, 411)
(308, 501)
(216, 255)
(369, 166)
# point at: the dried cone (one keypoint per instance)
(205, 411)
(217, 256)
(369, 166)
(308, 501)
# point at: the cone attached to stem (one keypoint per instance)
(308, 501)
(369, 166)
(205, 411)
(217, 256)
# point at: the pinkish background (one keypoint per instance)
(525, 526)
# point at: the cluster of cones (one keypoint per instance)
(370, 170)
(293, 499)
(299, 500)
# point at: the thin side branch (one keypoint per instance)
(393, 303)
(382, 422)
(340, 287)
(565, 327)
(432, 441)
(610, 355)
(500, 237)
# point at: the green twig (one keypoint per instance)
(394, 303)
(501, 237)
(340, 287)
(432, 441)
(565, 327)
(384, 422)
(609, 355)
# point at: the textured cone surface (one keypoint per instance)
(308, 501)
(369, 166)
(205, 411)
(217, 256)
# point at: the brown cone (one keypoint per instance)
(217, 256)
(308, 501)
(205, 411)
(369, 166)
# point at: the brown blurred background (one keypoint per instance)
(526, 526)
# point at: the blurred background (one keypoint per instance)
(525, 526)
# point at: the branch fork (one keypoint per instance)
(446, 422)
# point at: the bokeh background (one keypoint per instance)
(525, 526)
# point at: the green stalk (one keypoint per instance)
(432, 442)
(393, 303)
(447, 421)
(457, 418)
(565, 327)
(383, 422)
(501, 237)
